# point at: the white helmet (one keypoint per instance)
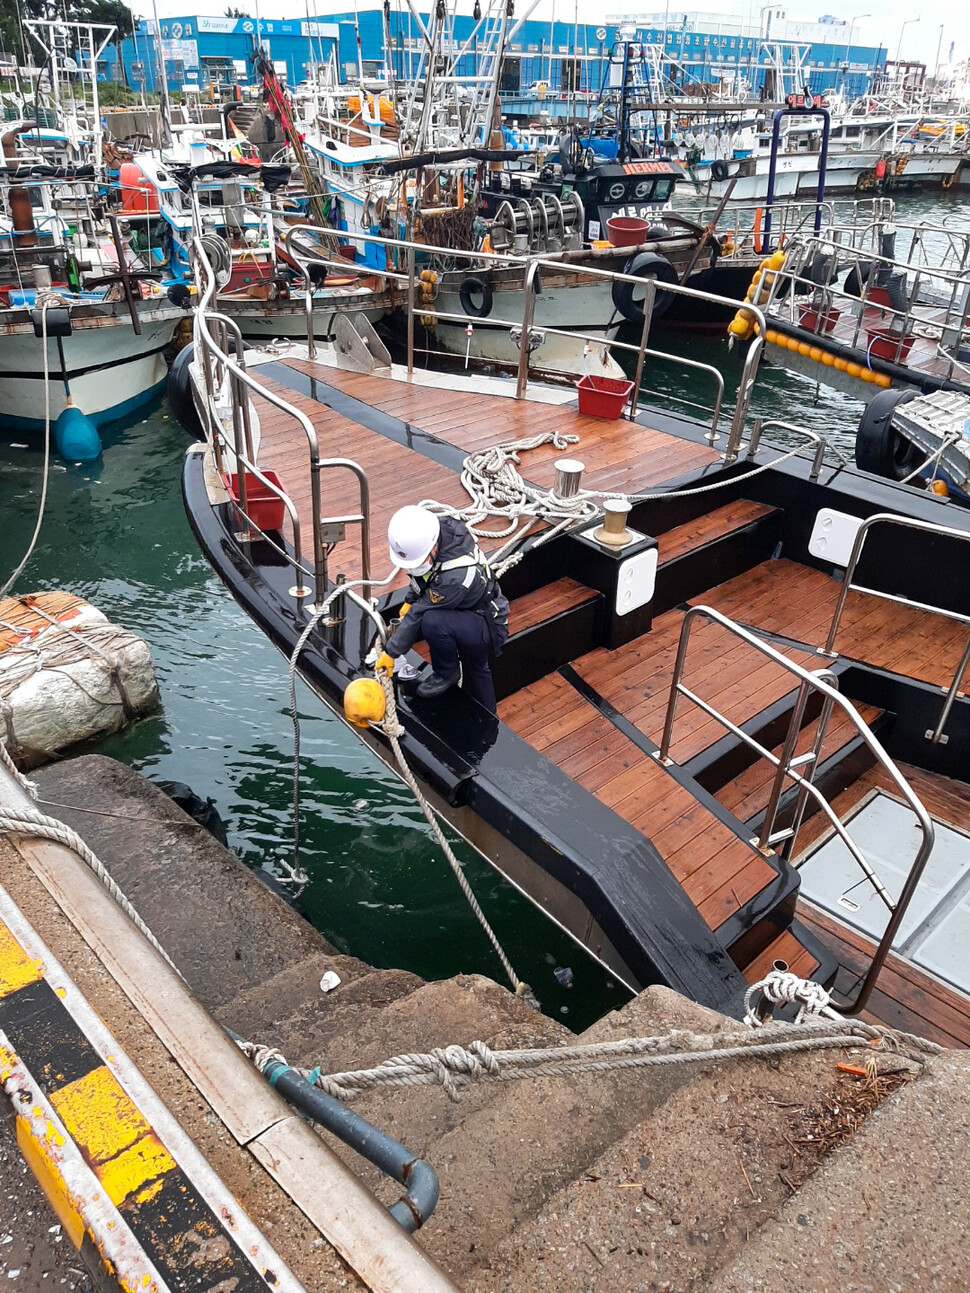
(411, 536)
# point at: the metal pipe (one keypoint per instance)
(410, 1170)
(649, 301)
(784, 762)
(528, 314)
(821, 731)
(936, 734)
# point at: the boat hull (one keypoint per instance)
(108, 369)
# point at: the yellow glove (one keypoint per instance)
(385, 662)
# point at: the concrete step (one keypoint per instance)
(878, 1213)
(535, 1138)
(706, 1164)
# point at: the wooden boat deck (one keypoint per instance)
(923, 355)
(600, 718)
(619, 456)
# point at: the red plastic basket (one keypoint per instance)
(811, 319)
(603, 397)
(263, 507)
(885, 345)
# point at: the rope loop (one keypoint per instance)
(783, 988)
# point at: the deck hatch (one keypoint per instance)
(935, 932)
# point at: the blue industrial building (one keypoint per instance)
(548, 66)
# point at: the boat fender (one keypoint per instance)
(719, 171)
(855, 280)
(646, 264)
(76, 436)
(364, 702)
(179, 391)
(471, 289)
(880, 447)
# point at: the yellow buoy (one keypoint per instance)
(883, 380)
(364, 702)
(853, 370)
(804, 349)
(867, 375)
(940, 487)
(815, 354)
(841, 365)
(828, 360)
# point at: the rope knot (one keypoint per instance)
(783, 988)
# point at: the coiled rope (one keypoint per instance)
(783, 988)
(456, 1067)
(32, 822)
(496, 488)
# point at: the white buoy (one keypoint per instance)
(66, 675)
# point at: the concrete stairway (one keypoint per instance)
(688, 1177)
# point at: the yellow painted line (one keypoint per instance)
(114, 1137)
(17, 969)
(39, 1158)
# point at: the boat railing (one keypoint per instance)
(935, 734)
(742, 223)
(229, 390)
(930, 303)
(800, 770)
(524, 331)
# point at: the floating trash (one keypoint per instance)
(330, 981)
(564, 976)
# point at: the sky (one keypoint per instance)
(875, 24)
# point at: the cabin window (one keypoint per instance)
(511, 82)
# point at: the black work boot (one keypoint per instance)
(435, 685)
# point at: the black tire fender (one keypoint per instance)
(855, 280)
(178, 387)
(646, 264)
(719, 171)
(471, 288)
(879, 446)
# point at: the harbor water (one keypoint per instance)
(115, 533)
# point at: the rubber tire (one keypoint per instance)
(719, 171)
(472, 287)
(178, 388)
(879, 447)
(646, 264)
(854, 285)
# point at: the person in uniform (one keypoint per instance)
(456, 604)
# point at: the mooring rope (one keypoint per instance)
(47, 453)
(393, 730)
(456, 1067)
(31, 822)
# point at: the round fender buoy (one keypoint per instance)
(76, 436)
(646, 264)
(475, 295)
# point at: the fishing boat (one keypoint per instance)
(721, 743)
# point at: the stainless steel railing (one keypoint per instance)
(532, 267)
(229, 389)
(935, 734)
(788, 766)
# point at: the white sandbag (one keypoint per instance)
(69, 684)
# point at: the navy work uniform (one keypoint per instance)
(458, 608)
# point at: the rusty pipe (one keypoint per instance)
(21, 212)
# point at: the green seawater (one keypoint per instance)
(115, 532)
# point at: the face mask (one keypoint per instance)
(423, 569)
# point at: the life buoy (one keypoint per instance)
(647, 264)
(470, 289)
(719, 171)
(879, 447)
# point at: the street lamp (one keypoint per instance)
(901, 30)
(848, 43)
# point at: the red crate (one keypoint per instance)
(603, 397)
(885, 345)
(813, 321)
(265, 509)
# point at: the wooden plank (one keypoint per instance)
(709, 527)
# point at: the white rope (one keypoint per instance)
(47, 455)
(456, 1067)
(32, 822)
(496, 488)
(782, 988)
(393, 731)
